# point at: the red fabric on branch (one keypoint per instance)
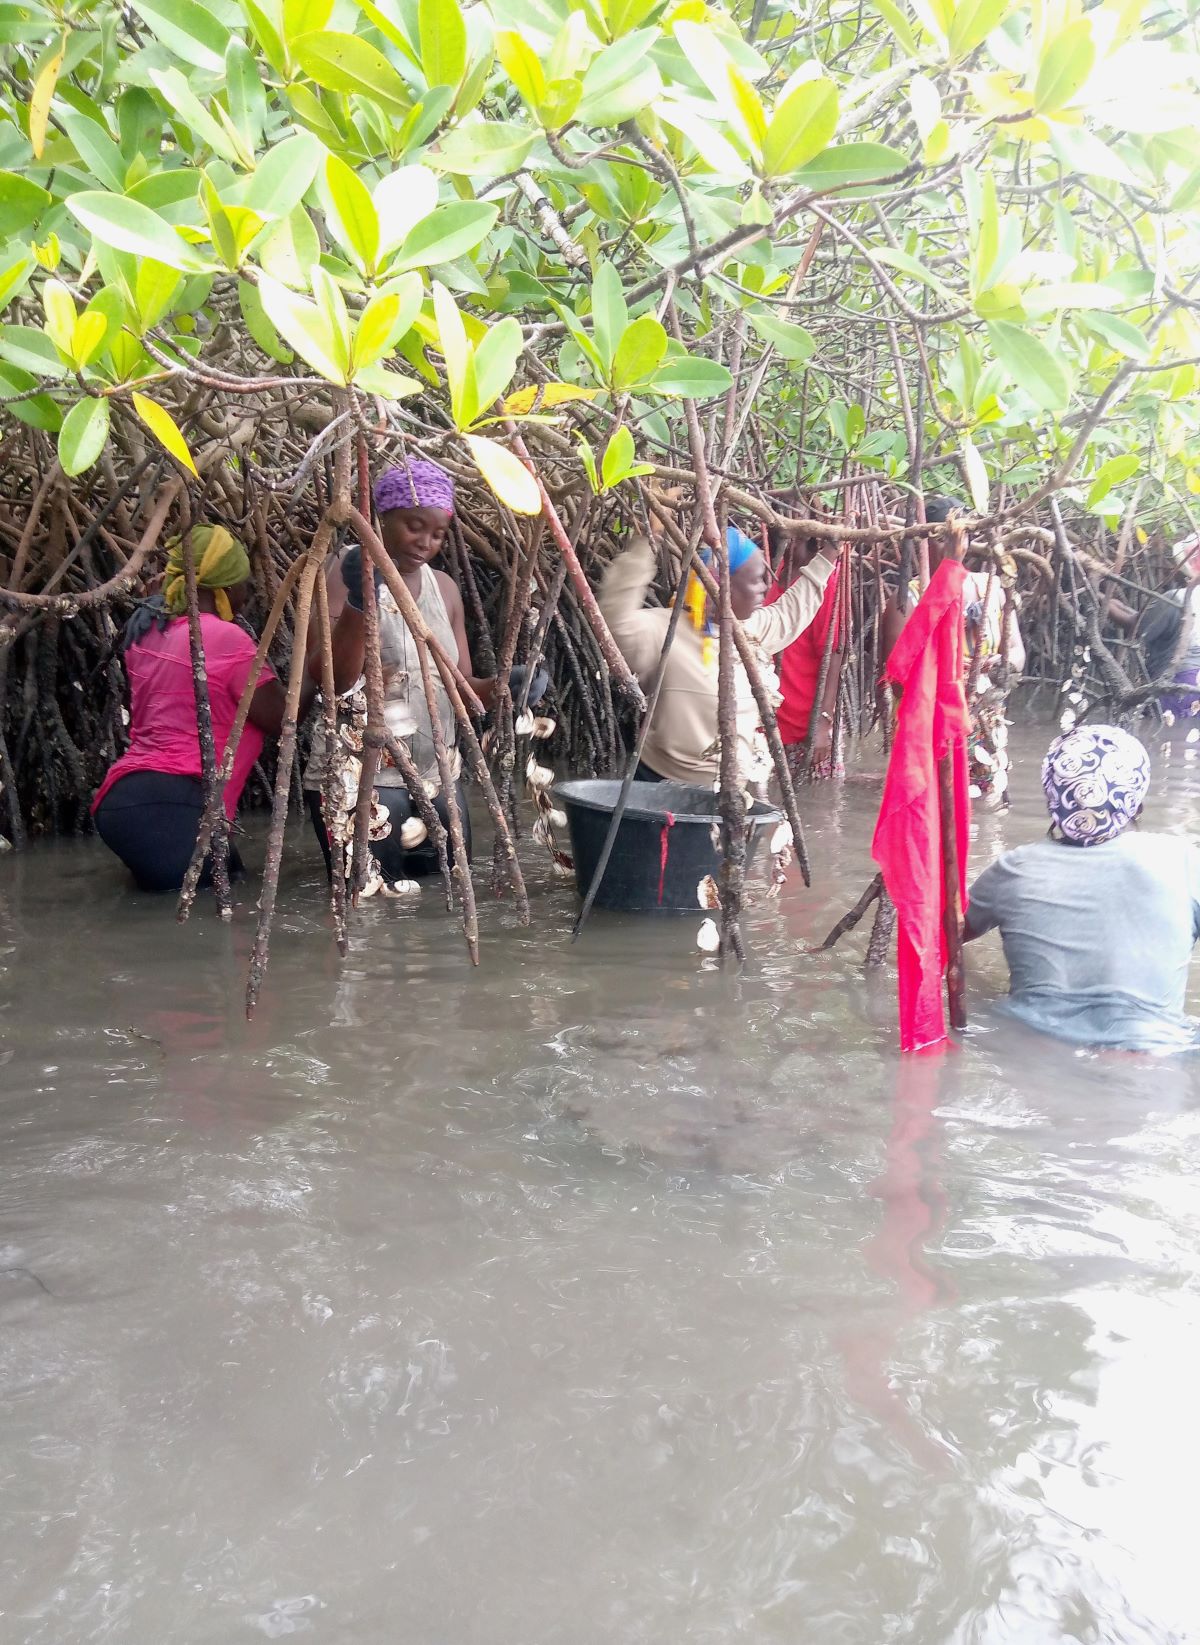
(927, 664)
(800, 664)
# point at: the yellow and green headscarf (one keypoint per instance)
(221, 563)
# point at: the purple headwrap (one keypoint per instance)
(419, 484)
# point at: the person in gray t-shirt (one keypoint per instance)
(1098, 921)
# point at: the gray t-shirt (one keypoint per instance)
(1098, 938)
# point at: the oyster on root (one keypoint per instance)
(707, 894)
(708, 938)
(403, 888)
(556, 818)
(781, 837)
(524, 724)
(374, 881)
(537, 776)
(413, 833)
(543, 726)
(381, 822)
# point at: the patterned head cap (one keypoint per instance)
(418, 484)
(1095, 779)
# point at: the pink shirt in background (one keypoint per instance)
(162, 703)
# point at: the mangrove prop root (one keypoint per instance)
(283, 783)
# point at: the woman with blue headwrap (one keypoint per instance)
(681, 741)
(1098, 921)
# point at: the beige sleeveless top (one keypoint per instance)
(405, 708)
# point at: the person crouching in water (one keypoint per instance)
(415, 504)
(1098, 921)
(148, 808)
(681, 743)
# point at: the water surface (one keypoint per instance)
(591, 1298)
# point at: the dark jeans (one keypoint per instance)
(643, 774)
(150, 820)
(395, 863)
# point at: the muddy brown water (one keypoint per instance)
(593, 1297)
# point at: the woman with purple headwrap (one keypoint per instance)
(1098, 921)
(415, 504)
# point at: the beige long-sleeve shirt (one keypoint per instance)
(681, 742)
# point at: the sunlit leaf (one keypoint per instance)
(346, 63)
(620, 81)
(189, 29)
(43, 94)
(445, 234)
(1064, 67)
(800, 128)
(977, 476)
(305, 327)
(127, 225)
(164, 429)
(352, 215)
(443, 39)
(402, 199)
(505, 474)
(545, 397)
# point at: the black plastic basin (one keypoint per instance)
(664, 846)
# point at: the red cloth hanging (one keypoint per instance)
(927, 664)
(800, 665)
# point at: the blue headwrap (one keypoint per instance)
(739, 548)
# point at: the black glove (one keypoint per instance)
(351, 568)
(538, 685)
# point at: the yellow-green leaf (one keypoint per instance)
(60, 315)
(1064, 66)
(523, 67)
(456, 351)
(801, 127)
(506, 475)
(352, 215)
(545, 396)
(43, 93)
(443, 35)
(90, 331)
(164, 429)
(374, 329)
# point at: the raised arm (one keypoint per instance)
(776, 626)
(621, 597)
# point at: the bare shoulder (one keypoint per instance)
(449, 588)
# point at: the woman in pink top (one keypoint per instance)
(148, 807)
